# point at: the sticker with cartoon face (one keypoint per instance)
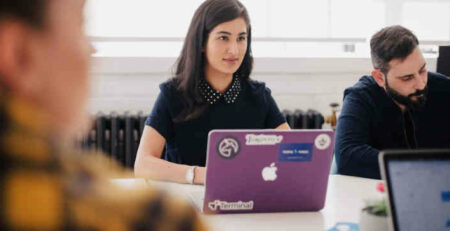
(322, 141)
(228, 147)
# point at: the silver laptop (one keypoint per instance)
(418, 187)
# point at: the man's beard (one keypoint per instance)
(407, 101)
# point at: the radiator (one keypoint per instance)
(118, 135)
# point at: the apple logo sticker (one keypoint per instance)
(269, 173)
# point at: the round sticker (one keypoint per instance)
(228, 147)
(322, 141)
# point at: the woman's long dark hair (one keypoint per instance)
(190, 65)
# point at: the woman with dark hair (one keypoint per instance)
(211, 90)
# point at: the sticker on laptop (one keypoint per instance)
(322, 141)
(345, 226)
(253, 139)
(229, 206)
(269, 173)
(295, 152)
(228, 147)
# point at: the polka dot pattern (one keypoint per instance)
(212, 96)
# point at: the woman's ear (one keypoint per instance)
(379, 77)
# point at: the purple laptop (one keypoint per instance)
(251, 171)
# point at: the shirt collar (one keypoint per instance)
(211, 95)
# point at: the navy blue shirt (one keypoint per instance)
(370, 122)
(253, 108)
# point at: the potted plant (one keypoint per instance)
(374, 214)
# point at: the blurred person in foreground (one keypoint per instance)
(44, 183)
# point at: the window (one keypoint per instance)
(429, 20)
(139, 18)
(303, 19)
(279, 26)
(356, 18)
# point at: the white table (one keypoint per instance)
(345, 198)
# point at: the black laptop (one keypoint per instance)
(418, 187)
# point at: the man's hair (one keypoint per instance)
(31, 12)
(394, 42)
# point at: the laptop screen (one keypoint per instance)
(419, 192)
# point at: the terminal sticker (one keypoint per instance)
(295, 152)
(224, 205)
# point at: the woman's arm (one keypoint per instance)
(283, 126)
(149, 164)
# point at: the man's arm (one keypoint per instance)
(354, 155)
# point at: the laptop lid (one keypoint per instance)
(267, 170)
(418, 186)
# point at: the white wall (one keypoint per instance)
(124, 83)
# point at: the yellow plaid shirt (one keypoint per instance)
(46, 186)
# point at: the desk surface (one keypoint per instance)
(345, 198)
